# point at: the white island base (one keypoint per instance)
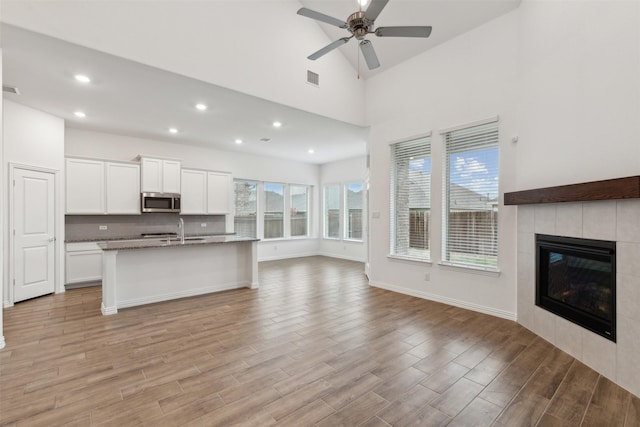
(133, 277)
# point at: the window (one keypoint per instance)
(332, 211)
(245, 220)
(411, 198)
(299, 206)
(273, 211)
(353, 211)
(471, 196)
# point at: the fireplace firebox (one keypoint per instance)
(576, 279)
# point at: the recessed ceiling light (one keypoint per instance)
(277, 124)
(238, 141)
(173, 130)
(201, 107)
(80, 114)
(311, 151)
(82, 78)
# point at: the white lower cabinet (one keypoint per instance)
(83, 262)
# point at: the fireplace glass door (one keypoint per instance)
(576, 280)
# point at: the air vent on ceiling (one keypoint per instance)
(265, 139)
(11, 89)
(313, 78)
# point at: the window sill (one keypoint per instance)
(409, 258)
(353, 240)
(487, 271)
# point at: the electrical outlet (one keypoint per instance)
(427, 277)
(102, 227)
(203, 224)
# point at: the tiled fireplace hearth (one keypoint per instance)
(613, 220)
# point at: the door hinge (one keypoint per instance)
(14, 182)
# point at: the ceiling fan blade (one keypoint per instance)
(322, 17)
(374, 9)
(369, 54)
(403, 32)
(328, 48)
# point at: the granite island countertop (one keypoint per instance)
(134, 244)
(135, 237)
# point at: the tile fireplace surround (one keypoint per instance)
(615, 220)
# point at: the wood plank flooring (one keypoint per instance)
(315, 345)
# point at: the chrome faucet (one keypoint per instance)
(181, 228)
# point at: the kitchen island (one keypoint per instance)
(137, 272)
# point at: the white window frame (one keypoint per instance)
(446, 193)
(393, 249)
(325, 218)
(308, 201)
(345, 213)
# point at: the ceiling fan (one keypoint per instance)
(359, 24)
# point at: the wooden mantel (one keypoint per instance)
(608, 189)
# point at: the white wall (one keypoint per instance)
(470, 78)
(242, 166)
(343, 172)
(579, 92)
(201, 39)
(2, 216)
(34, 138)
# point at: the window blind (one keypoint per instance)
(246, 208)
(331, 211)
(273, 211)
(411, 198)
(299, 210)
(353, 202)
(471, 196)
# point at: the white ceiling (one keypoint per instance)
(448, 18)
(125, 97)
(129, 98)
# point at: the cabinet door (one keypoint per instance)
(84, 186)
(123, 188)
(170, 176)
(151, 175)
(83, 262)
(193, 198)
(218, 193)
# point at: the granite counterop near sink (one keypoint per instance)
(135, 237)
(131, 244)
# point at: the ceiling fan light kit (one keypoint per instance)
(359, 24)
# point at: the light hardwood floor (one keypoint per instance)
(314, 345)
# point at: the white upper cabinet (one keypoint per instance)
(218, 193)
(95, 187)
(123, 188)
(193, 197)
(170, 176)
(205, 192)
(84, 186)
(160, 176)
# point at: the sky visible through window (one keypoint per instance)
(476, 170)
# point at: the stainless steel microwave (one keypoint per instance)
(160, 202)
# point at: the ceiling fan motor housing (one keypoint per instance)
(359, 25)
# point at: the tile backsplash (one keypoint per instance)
(83, 227)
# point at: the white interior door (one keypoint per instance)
(34, 233)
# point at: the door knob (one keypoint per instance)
(52, 239)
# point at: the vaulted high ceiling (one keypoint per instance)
(151, 62)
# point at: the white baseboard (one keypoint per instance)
(107, 311)
(450, 301)
(7, 304)
(2, 343)
(279, 257)
(348, 258)
(182, 294)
